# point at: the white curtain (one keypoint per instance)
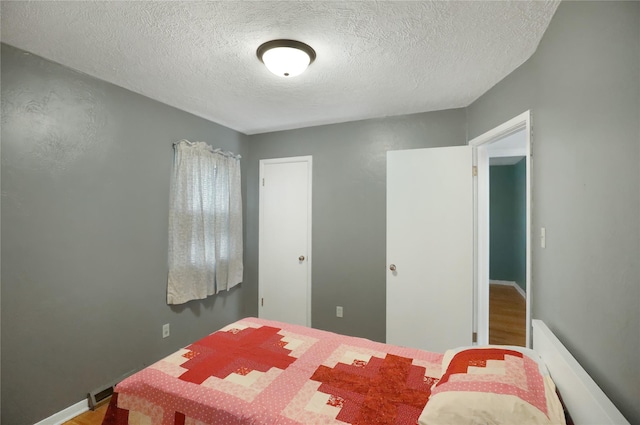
(205, 222)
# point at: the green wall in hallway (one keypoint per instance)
(508, 223)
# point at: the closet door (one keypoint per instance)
(430, 248)
(284, 271)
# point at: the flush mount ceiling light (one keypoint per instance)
(286, 58)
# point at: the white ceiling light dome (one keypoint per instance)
(286, 58)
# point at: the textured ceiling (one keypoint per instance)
(374, 59)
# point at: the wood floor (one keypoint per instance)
(90, 417)
(507, 316)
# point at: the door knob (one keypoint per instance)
(301, 258)
(392, 267)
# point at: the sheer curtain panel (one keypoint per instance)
(205, 222)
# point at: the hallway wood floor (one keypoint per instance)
(507, 316)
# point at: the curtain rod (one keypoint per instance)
(207, 147)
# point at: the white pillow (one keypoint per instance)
(493, 385)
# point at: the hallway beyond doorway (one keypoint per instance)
(507, 316)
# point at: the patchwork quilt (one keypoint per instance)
(256, 371)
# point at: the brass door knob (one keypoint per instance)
(392, 267)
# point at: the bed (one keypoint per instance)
(257, 371)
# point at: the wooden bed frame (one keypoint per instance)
(585, 401)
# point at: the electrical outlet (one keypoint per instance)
(165, 330)
(339, 311)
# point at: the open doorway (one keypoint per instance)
(503, 233)
(507, 243)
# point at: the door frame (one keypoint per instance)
(480, 146)
(309, 160)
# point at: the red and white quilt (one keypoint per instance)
(256, 371)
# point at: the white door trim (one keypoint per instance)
(66, 414)
(309, 160)
(481, 221)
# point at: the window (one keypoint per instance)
(205, 223)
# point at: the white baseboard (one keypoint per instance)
(509, 283)
(66, 414)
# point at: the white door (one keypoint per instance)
(284, 272)
(430, 246)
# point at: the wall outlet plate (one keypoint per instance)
(165, 330)
(339, 311)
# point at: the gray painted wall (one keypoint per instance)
(583, 88)
(349, 210)
(85, 194)
(508, 223)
